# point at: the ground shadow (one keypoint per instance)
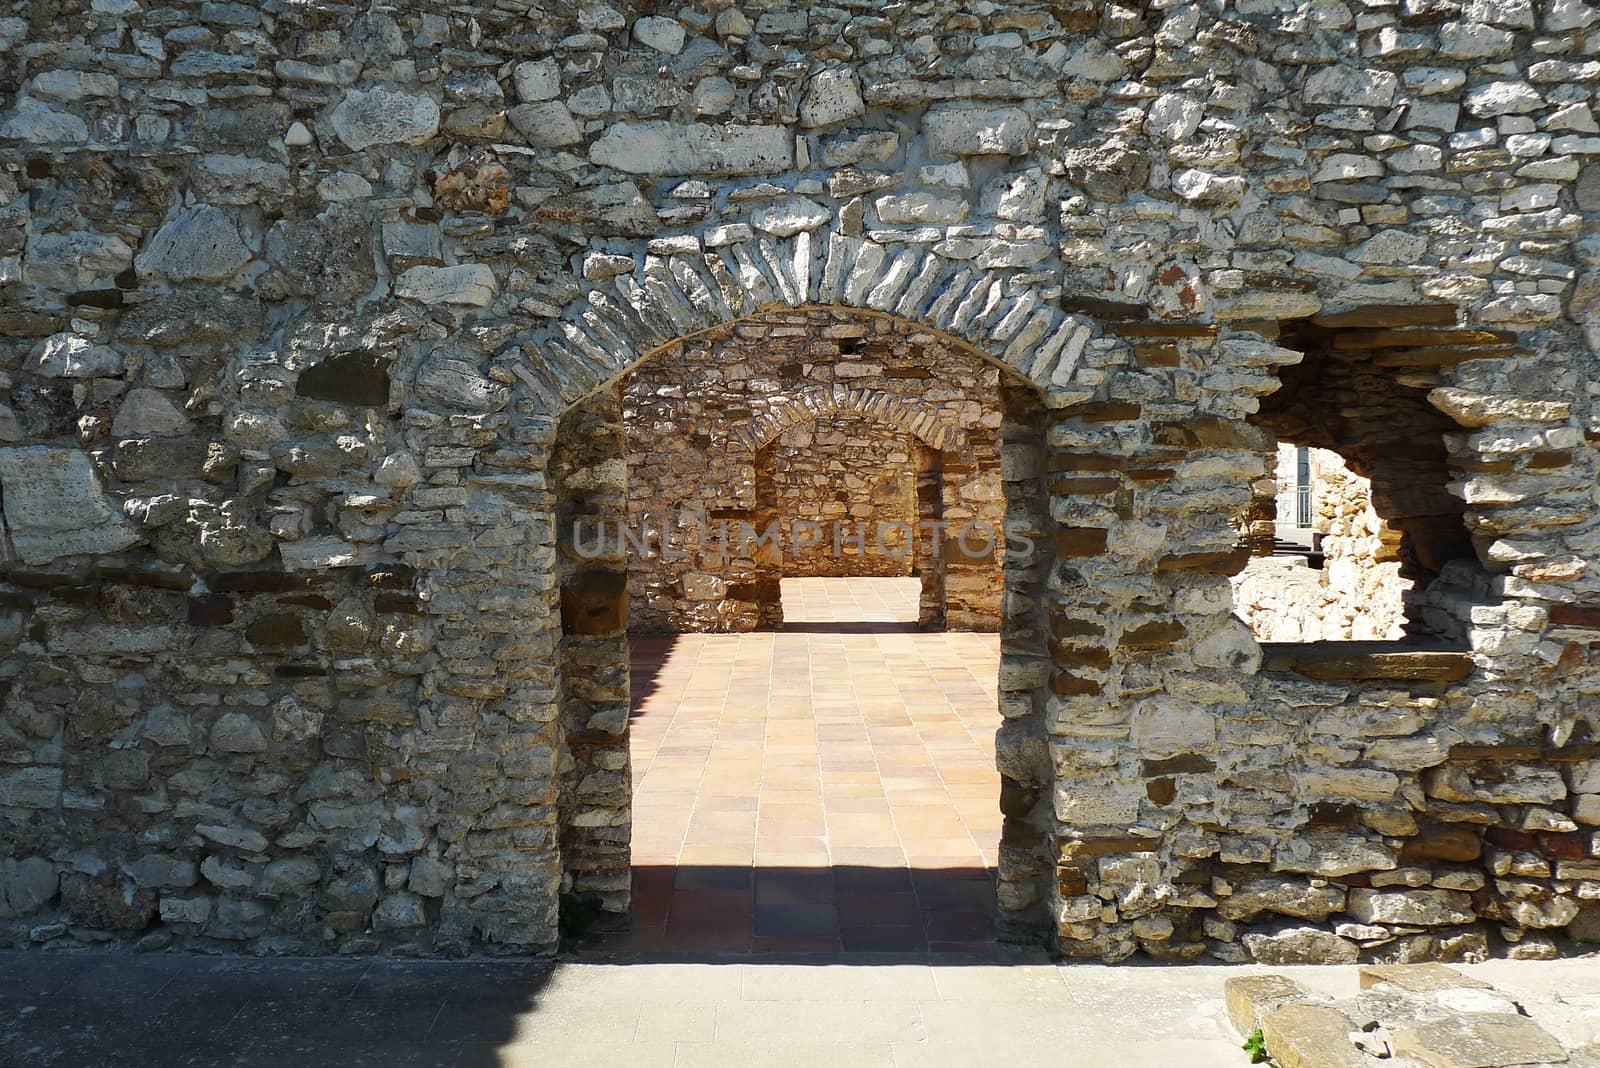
(690, 911)
(82, 1008)
(871, 626)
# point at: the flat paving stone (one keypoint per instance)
(1479, 1041)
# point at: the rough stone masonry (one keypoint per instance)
(309, 313)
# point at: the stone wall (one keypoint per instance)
(848, 471)
(1355, 593)
(296, 302)
(816, 418)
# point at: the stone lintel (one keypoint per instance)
(1366, 661)
(1401, 338)
(1077, 849)
(1379, 315)
(1524, 753)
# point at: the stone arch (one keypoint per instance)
(803, 406)
(702, 283)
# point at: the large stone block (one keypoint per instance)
(979, 131)
(198, 244)
(1311, 1036)
(384, 116)
(1294, 944)
(54, 506)
(666, 148)
(1419, 908)
(1479, 1040)
(26, 885)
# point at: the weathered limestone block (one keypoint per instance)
(235, 732)
(605, 209)
(919, 208)
(662, 148)
(453, 381)
(1287, 897)
(26, 885)
(470, 284)
(789, 216)
(833, 96)
(198, 244)
(384, 116)
(70, 356)
(1419, 978)
(1250, 997)
(961, 130)
(1420, 908)
(1292, 944)
(1351, 87)
(31, 788)
(54, 506)
(36, 123)
(1311, 1036)
(148, 413)
(537, 80)
(1496, 784)
(1479, 1040)
(74, 260)
(546, 124)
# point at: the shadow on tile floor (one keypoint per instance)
(689, 911)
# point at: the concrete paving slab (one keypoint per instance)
(90, 1009)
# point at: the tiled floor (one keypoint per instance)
(823, 789)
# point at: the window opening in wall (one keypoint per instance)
(1368, 543)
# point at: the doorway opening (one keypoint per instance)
(805, 568)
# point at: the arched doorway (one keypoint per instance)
(690, 438)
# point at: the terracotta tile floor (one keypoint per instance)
(828, 788)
